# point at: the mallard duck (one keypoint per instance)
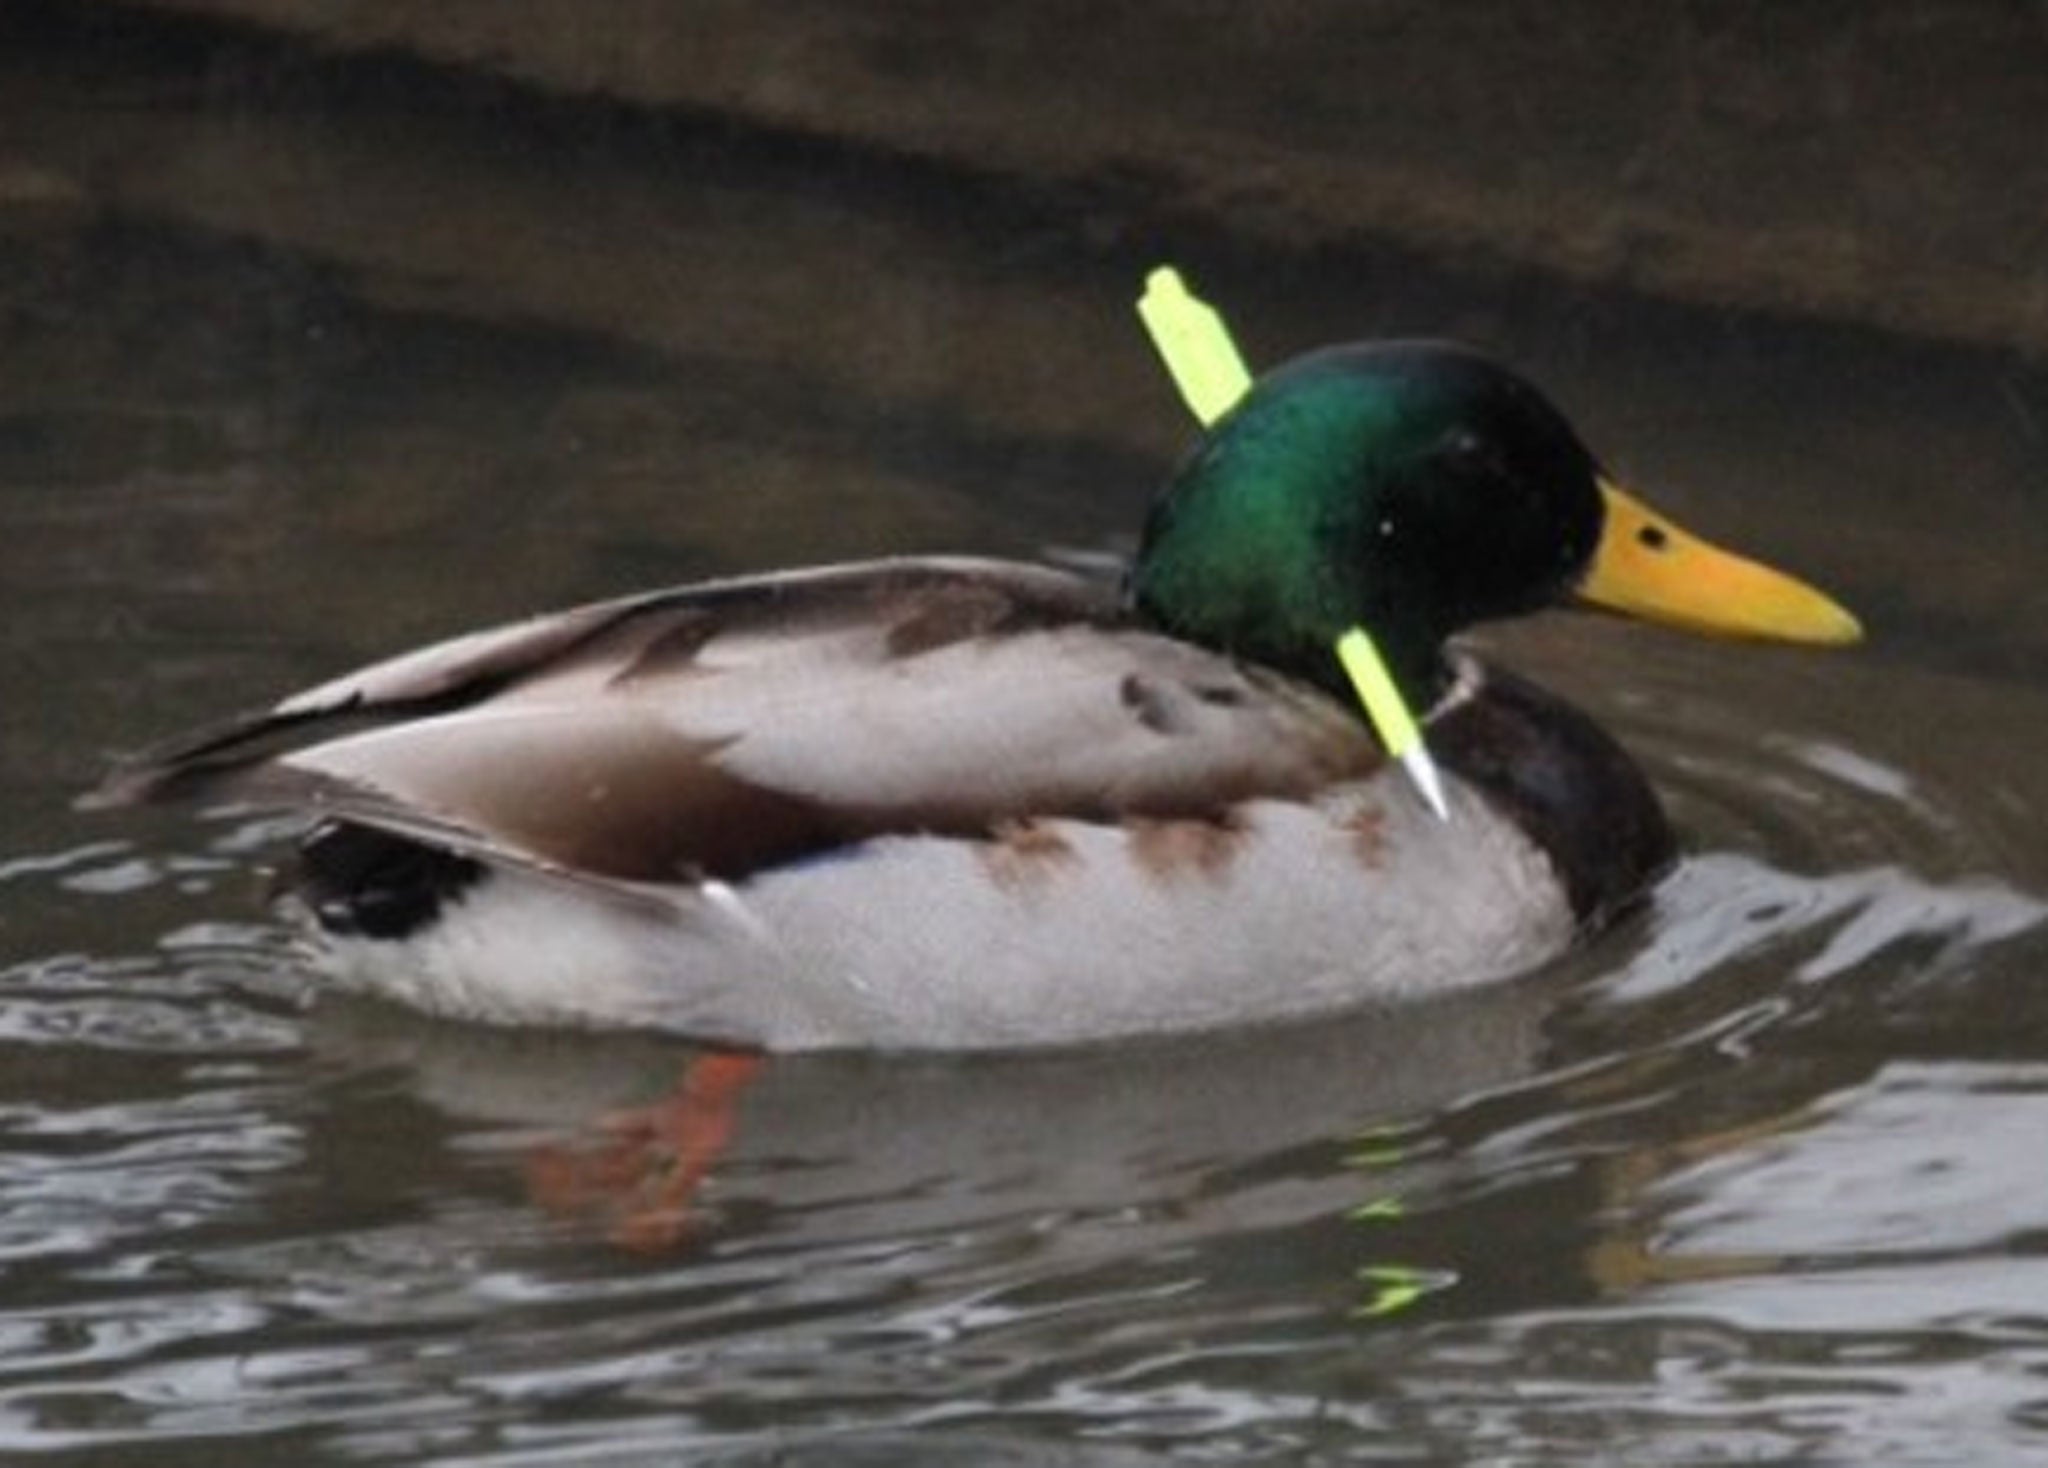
(968, 803)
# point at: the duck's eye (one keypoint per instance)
(1464, 449)
(1464, 455)
(1653, 537)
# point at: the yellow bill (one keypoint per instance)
(1647, 567)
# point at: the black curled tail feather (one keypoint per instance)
(358, 882)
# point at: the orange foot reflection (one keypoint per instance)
(644, 1176)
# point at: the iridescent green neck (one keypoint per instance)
(1284, 530)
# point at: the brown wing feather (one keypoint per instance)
(623, 638)
(719, 729)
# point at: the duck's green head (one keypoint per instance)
(1414, 489)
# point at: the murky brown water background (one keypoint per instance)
(1758, 1178)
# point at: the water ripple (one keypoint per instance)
(225, 1219)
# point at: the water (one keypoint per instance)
(1756, 1178)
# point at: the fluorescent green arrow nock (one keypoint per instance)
(1205, 365)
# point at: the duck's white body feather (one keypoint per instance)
(1072, 931)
